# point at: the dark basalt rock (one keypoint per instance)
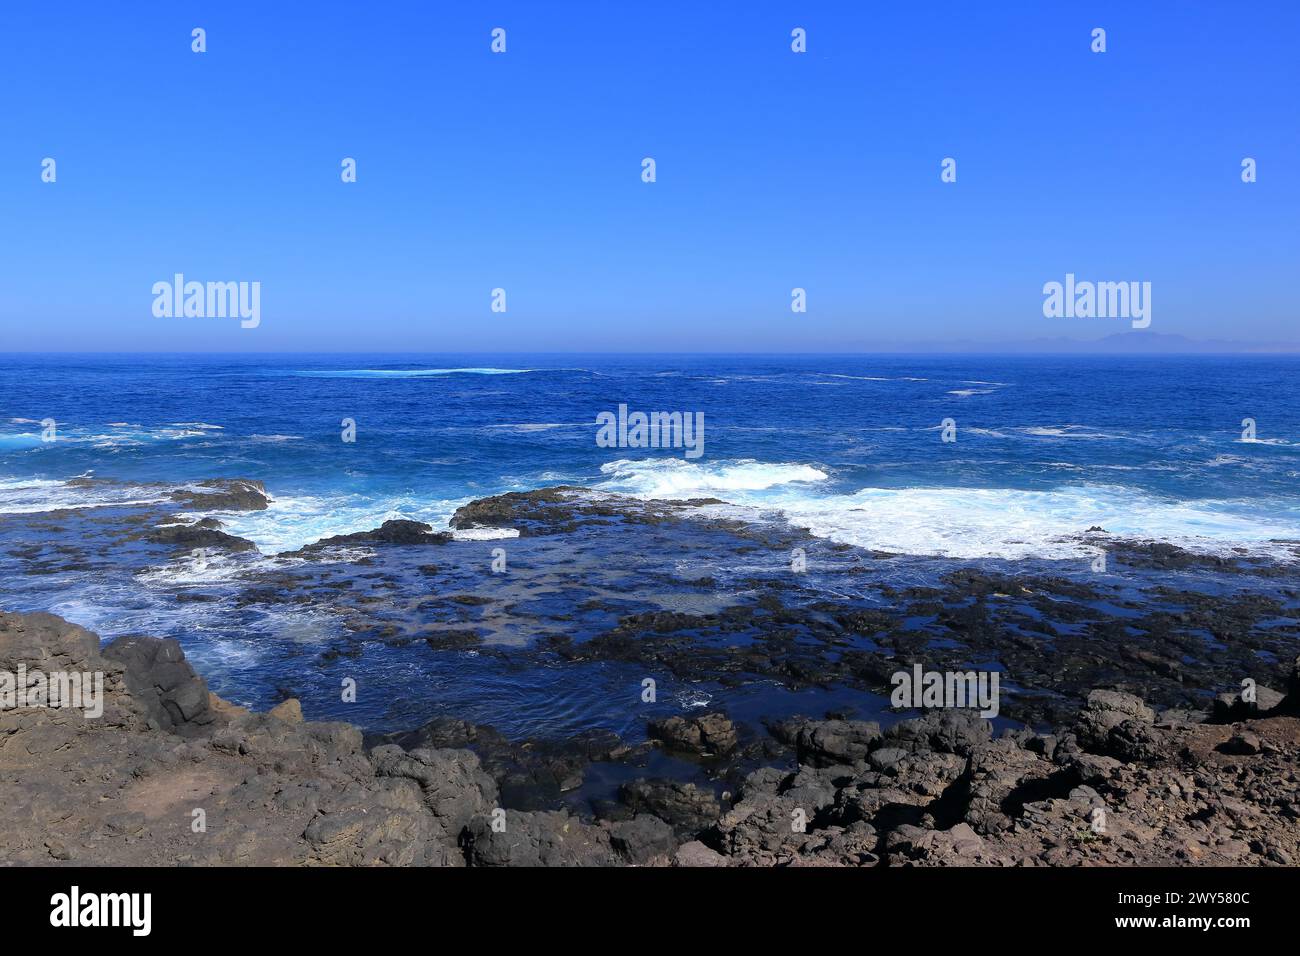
(396, 531)
(828, 743)
(687, 807)
(705, 735)
(933, 790)
(159, 677)
(563, 509)
(453, 640)
(193, 536)
(551, 838)
(223, 494)
(643, 839)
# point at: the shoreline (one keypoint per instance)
(1121, 786)
(724, 770)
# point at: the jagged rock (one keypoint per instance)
(124, 788)
(708, 734)
(550, 838)
(643, 839)
(943, 731)
(758, 830)
(1244, 744)
(456, 789)
(814, 788)
(397, 531)
(684, 805)
(827, 743)
(1291, 704)
(1106, 709)
(197, 535)
(960, 846)
(223, 494)
(763, 780)
(853, 845)
(388, 828)
(994, 775)
(121, 790)
(159, 677)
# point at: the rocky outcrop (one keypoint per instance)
(223, 494)
(538, 839)
(168, 774)
(826, 743)
(165, 773)
(562, 509)
(397, 531)
(160, 680)
(191, 536)
(705, 735)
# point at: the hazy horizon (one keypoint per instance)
(1156, 346)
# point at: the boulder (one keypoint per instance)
(545, 838)
(159, 678)
(706, 735)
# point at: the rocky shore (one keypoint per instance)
(171, 774)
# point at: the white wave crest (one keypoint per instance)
(671, 478)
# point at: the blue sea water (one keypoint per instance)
(850, 447)
(1148, 446)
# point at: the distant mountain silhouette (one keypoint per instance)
(1120, 343)
(1143, 341)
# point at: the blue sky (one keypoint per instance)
(522, 171)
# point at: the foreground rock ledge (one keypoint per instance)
(1122, 786)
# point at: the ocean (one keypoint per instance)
(851, 450)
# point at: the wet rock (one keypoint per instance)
(684, 805)
(826, 743)
(453, 640)
(563, 509)
(194, 536)
(705, 735)
(397, 531)
(223, 494)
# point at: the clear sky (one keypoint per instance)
(522, 171)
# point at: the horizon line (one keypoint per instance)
(1061, 353)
